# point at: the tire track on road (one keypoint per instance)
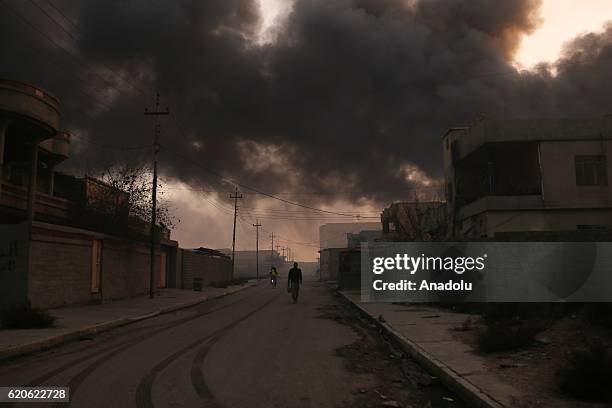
(80, 377)
(144, 397)
(115, 349)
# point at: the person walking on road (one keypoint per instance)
(294, 280)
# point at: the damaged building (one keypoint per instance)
(531, 175)
(414, 221)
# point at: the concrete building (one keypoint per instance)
(245, 265)
(206, 265)
(414, 221)
(354, 240)
(334, 238)
(528, 175)
(329, 263)
(61, 241)
(334, 235)
(309, 268)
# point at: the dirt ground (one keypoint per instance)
(533, 369)
(396, 380)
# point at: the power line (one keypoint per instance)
(57, 23)
(71, 83)
(64, 16)
(244, 186)
(107, 146)
(52, 19)
(46, 37)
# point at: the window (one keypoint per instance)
(591, 171)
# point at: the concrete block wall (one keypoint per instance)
(59, 272)
(330, 263)
(125, 269)
(14, 244)
(209, 269)
(60, 261)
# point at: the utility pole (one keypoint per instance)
(257, 225)
(156, 113)
(235, 196)
(272, 251)
(283, 249)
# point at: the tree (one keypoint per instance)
(136, 181)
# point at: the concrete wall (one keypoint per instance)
(61, 265)
(13, 264)
(208, 268)
(330, 263)
(349, 274)
(488, 223)
(334, 235)
(559, 175)
(125, 269)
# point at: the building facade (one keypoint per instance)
(64, 240)
(528, 175)
(335, 235)
(414, 221)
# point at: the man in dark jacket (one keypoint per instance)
(294, 280)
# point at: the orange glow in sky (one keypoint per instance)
(562, 21)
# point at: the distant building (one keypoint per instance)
(528, 175)
(245, 265)
(414, 221)
(329, 263)
(354, 240)
(202, 267)
(309, 268)
(334, 235)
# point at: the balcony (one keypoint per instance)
(33, 113)
(501, 203)
(13, 205)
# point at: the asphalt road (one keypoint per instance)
(251, 349)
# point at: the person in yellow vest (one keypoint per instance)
(273, 276)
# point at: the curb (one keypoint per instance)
(468, 392)
(55, 341)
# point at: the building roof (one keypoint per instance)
(467, 139)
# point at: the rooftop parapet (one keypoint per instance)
(22, 101)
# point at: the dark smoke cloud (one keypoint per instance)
(351, 91)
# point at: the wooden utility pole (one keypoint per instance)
(257, 225)
(235, 196)
(272, 251)
(156, 113)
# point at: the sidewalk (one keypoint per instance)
(426, 334)
(76, 322)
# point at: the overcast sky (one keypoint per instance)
(333, 104)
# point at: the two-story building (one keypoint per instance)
(528, 175)
(64, 240)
